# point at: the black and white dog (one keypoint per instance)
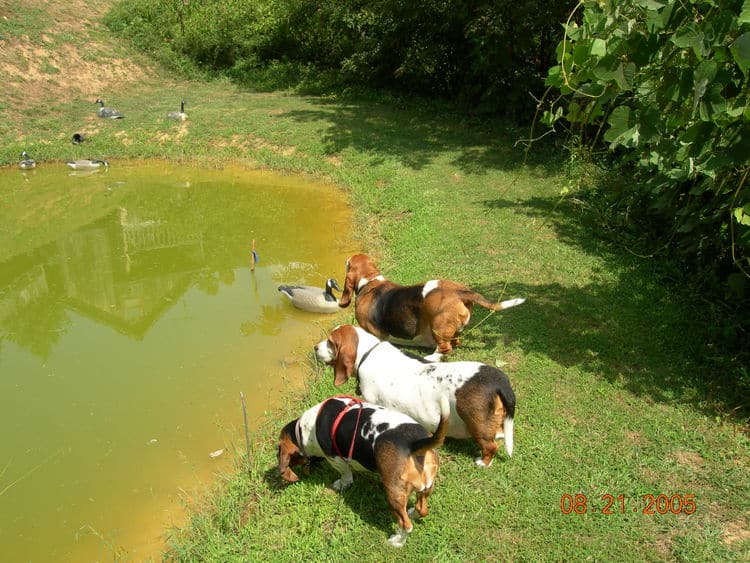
(355, 435)
(482, 402)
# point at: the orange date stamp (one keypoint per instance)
(647, 504)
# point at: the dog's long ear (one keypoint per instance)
(352, 277)
(288, 453)
(345, 340)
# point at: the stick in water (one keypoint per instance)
(247, 433)
(253, 258)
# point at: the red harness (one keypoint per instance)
(339, 417)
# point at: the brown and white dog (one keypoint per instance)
(354, 435)
(429, 314)
(482, 402)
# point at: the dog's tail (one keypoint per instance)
(420, 447)
(508, 398)
(481, 300)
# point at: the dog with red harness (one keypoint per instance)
(353, 435)
(429, 314)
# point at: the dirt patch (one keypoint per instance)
(636, 438)
(173, 136)
(734, 532)
(245, 142)
(691, 460)
(70, 60)
(122, 136)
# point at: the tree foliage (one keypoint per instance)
(664, 85)
(488, 56)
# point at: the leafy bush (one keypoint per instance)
(489, 57)
(664, 86)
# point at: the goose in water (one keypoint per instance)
(87, 164)
(26, 162)
(313, 299)
(178, 115)
(107, 112)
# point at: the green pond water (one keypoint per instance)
(130, 321)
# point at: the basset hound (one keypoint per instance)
(354, 435)
(482, 402)
(427, 315)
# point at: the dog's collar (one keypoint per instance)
(364, 282)
(366, 354)
(298, 437)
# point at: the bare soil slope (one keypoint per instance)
(64, 53)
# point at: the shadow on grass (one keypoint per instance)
(657, 342)
(422, 134)
(365, 497)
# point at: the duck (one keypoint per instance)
(26, 162)
(87, 164)
(107, 112)
(313, 299)
(77, 138)
(178, 115)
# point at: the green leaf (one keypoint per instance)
(549, 118)
(744, 16)
(606, 68)
(741, 51)
(572, 30)
(742, 215)
(713, 105)
(702, 76)
(628, 75)
(610, 68)
(554, 77)
(599, 48)
(593, 89)
(735, 107)
(581, 53)
(690, 37)
(622, 128)
(650, 4)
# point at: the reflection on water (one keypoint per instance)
(129, 321)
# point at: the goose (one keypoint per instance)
(26, 162)
(77, 138)
(178, 115)
(313, 299)
(87, 164)
(107, 112)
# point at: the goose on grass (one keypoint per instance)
(110, 113)
(178, 115)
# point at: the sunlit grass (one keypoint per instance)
(614, 394)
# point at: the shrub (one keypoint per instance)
(664, 86)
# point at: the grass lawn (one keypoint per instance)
(617, 382)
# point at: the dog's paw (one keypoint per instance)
(340, 485)
(480, 462)
(398, 539)
(436, 357)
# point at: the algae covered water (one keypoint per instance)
(132, 315)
